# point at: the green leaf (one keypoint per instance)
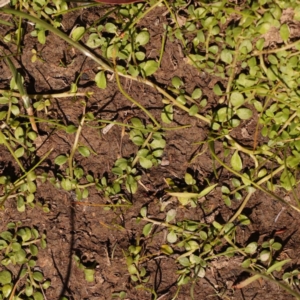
(78, 33)
(38, 296)
(89, 274)
(15, 110)
(244, 220)
(226, 200)
(236, 161)
(197, 93)
(245, 47)
(264, 28)
(188, 178)
(149, 67)
(46, 284)
(217, 90)
(224, 114)
(33, 250)
(20, 256)
(139, 56)
(166, 249)
(147, 229)
(73, 87)
(277, 266)
(3, 114)
(244, 113)
(203, 235)
(167, 114)
(142, 38)
(193, 110)
(5, 277)
(284, 32)
(66, 184)
(43, 243)
(264, 255)
(136, 122)
(3, 244)
(60, 160)
(19, 152)
(225, 190)
(251, 248)
(143, 211)
(226, 56)
(38, 276)
(84, 151)
(172, 237)
(276, 246)
(34, 233)
(181, 99)
(131, 184)
(111, 27)
(4, 100)
(287, 180)
(145, 163)
(6, 235)
(184, 261)
(194, 259)
(177, 82)
(41, 37)
(260, 44)
(71, 129)
(20, 204)
(6, 290)
(25, 234)
(171, 214)
(31, 187)
(30, 198)
(28, 290)
(100, 80)
(158, 143)
(237, 99)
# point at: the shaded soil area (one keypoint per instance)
(96, 234)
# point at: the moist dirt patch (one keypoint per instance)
(101, 236)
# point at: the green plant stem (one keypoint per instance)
(12, 294)
(173, 227)
(288, 122)
(257, 52)
(136, 159)
(78, 132)
(31, 278)
(3, 140)
(162, 48)
(232, 72)
(280, 284)
(261, 181)
(135, 102)
(228, 240)
(143, 14)
(211, 147)
(76, 8)
(133, 127)
(101, 205)
(48, 96)
(21, 180)
(34, 167)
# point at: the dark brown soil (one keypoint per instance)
(96, 234)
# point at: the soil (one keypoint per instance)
(96, 234)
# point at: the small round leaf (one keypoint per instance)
(60, 160)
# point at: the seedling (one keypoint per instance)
(18, 245)
(88, 268)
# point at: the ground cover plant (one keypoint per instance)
(155, 145)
